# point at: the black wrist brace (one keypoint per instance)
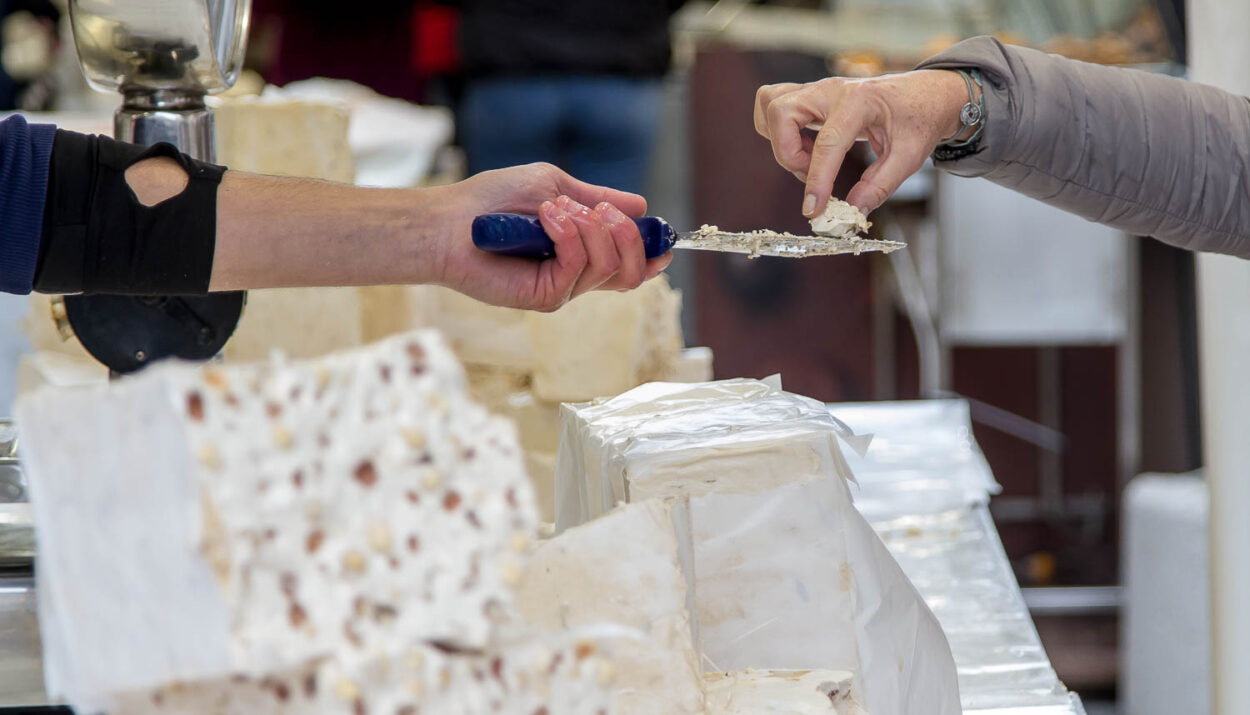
(98, 237)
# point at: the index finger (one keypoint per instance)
(764, 96)
(842, 128)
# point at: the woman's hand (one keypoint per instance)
(902, 116)
(598, 247)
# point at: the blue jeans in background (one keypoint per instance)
(599, 129)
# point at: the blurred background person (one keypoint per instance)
(28, 45)
(575, 83)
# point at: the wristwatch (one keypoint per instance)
(971, 115)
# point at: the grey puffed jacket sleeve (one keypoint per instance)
(1144, 153)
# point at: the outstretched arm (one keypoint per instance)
(90, 214)
(283, 232)
(1144, 153)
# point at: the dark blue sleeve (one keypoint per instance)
(25, 152)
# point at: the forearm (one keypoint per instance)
(128, 220)
(278, 232)
(1144, 153)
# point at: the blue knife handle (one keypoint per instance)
(523, 236)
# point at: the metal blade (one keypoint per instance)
(785, 245)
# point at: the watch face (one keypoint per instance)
(970, 114)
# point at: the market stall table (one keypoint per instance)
(925, 487)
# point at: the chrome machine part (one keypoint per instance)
(164, 57)
(180, 118)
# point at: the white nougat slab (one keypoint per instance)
(796, 692)
(604, 343)
(198, 522)
(628, 568)
(522, 675)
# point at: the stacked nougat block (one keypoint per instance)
(337, 535)
(523, 365)
(630, 568)
(787, 574)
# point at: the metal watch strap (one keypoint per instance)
(971, 114)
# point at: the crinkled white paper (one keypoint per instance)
(788, 575)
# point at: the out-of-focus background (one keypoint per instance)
(1075, 345)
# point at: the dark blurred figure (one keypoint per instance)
(13, 90)
(573, 82)
(366, 42)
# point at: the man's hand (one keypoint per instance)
(597, 246)
(902, 116)
(274, 232)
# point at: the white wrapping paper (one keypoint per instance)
(788, 575)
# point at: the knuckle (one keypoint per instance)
(547, 168)
(878, 194)
(827, 139)
(776, 111)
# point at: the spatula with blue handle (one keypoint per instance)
(522, 235)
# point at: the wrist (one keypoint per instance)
(963, 107)
(420, 222)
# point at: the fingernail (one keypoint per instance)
(572, 206)
(809, 204)
(553, 213)
(802, 175)
(610, 214)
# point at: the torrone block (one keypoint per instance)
(626, 568)
(604, 343)
(794, 692)
(520, 676)
(247, 519)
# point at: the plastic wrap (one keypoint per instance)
(788, 575)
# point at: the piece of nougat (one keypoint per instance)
(840, 220)
(693, 365)
(200, 521)
(604, 343)
(798, 692)
(298, 322)
(481, 334)
(390, 310)
(564, 675)
(541, 468)
(284, 138)
(626, 568)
